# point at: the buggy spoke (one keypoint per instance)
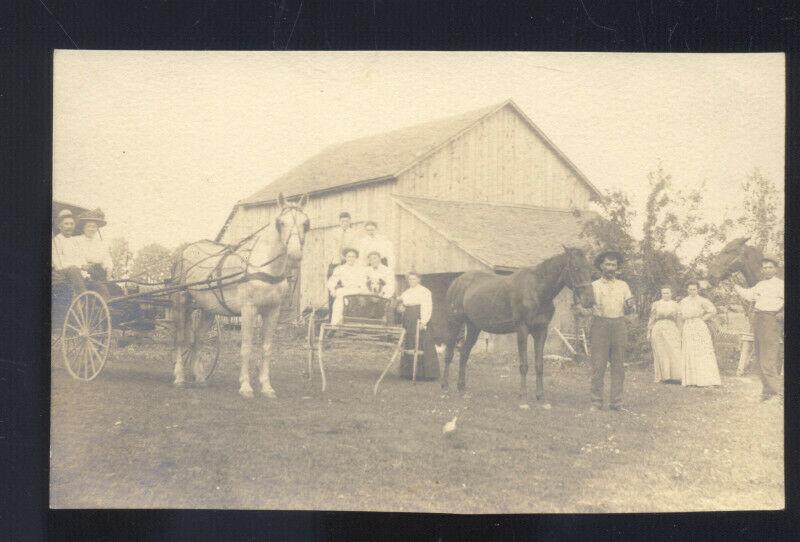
(92, 353)
(98, 343)
(73, 328)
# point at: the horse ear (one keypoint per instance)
(303, 200)
(281, 200)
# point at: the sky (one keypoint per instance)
(167, 142)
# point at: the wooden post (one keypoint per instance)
(416, 354)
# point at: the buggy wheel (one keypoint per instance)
(86, 336)
(207, 347)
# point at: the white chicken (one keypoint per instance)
(450, 426)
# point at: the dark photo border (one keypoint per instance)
(31, 29)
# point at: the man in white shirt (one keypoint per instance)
(67, 254)
(380, 279)
(767, 299)
(609, 331)
(372, 241)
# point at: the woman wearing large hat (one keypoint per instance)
(97, 255)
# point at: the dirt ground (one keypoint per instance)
(130, 440)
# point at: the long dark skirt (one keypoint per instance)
(428, 362)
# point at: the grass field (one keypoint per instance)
(130, 440)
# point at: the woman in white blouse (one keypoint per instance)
(697, 349)
(417, 306)
(98, 262)
(347, 279)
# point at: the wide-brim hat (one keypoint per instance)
(95, 215)
(770, 258)
(616, 254)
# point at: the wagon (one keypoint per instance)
(86, 325)
(367, 319)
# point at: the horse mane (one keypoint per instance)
(544, 269)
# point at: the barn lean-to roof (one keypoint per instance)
(384, 156)
(503, 237)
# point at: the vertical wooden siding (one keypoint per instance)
(499, 160)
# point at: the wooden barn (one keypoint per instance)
(482, 190)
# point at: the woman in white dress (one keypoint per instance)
(665, 338)
(697, 350)
(347, 279)
(417, 305)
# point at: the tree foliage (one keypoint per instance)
(763, 214)
(121, 256)
(153, 263)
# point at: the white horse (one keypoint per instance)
(239, 280)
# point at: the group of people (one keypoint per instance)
(683, 349)
(682, 346)
(77, 257)
(364, 264)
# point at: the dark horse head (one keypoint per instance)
(728, 261)
(578, 275)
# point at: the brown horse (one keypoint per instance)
(738, 256)
(520, 303)
(246, 280)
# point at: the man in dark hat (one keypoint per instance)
(767, 298)
(609, 332)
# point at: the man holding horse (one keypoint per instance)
(609, 332)
(767, 298)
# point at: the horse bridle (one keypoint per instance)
(571, 275)
(295, 230)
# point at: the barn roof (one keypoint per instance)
(501, 236)
(383, 156)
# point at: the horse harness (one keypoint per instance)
(216, 272)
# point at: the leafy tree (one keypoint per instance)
(763, 214)
(121, 256)
(153, 263)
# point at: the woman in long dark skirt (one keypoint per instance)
(417, 305)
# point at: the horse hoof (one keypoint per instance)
(247, 394)
(547, 406)
(180, 385)
(269, 393)
(525, 407)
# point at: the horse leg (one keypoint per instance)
(205, 320)
(539, 338)
(269, 323)
(469, 342)
(450, 347)
(248, 322)
(522, 351)
(180, 315)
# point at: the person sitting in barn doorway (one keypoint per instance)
(417, 306)
(373, 241)
(347, 279)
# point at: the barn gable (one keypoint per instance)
(368, 159)
(386, 156)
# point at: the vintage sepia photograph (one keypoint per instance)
(446, 282)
